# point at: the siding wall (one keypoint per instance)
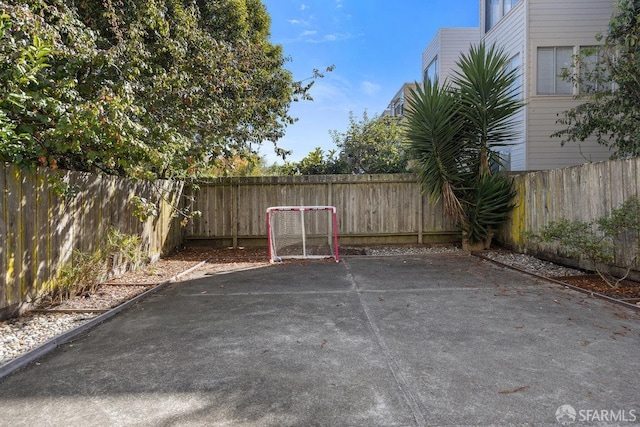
(431, 51)
(40, 230)
(539, 23)
(448, 44)
(371, 209)
(510, 35)
(566, 23)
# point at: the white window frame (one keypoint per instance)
(431, 72)
(493, 15)
(555, 86)
(515, 62)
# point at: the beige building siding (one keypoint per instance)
(547, 23)
(545, 152)
(551, 23)
(509, 35)
(431, 51)
(448, 44)
(567, 22)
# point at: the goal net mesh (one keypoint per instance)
(302, 232)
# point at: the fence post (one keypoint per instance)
(235, 212)
(420, 215)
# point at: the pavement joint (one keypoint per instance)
(392, 363)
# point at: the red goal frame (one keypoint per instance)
(273, 256)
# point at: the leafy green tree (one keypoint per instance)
(317, 162)
(240, 164)
(372, 145)
(149, 89)
(454, 132)
(609, 82)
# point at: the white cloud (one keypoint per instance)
(369, 88)
(303, 7)
(332, 38)
(338, 4)
(308, 33)
(298, 22)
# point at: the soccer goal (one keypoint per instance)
(302, 232)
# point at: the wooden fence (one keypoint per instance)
(39, 229)
(371, 209)
(583, 192)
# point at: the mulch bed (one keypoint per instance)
(627, 290)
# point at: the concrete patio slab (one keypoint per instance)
(370, 341)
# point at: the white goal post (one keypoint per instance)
(302, 232)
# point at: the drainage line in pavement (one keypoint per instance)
(559, 282)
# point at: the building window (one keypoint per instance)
(514, 64)
(496, 9)
(431, 73)
(551, 63)
(398, 109)
(591, 66)
(504, 164)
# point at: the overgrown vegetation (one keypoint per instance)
(596, 241)
(455, 132)
(608, 80)
(141, 89)
(87, 270)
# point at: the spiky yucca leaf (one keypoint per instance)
(433, 130)
(488, 100)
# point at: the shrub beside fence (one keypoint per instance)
(40, 229)
(372, 209)
(583, 193)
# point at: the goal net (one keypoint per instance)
(302, 232)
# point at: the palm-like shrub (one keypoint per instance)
(455, 131)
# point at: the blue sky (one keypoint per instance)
(375, 45)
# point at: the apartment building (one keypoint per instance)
(438, 59)
(398, 104)
(441, 55)
(541, 38)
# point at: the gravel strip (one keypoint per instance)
(532, 264)
(18, 336)
(412, 250)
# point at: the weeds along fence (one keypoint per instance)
(372, 209)
(47, 215)
(585, 192)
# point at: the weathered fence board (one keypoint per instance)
(371, 208)
(585, 192)
(40, 230)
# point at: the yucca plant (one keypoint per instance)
(455, 131)
(434, 130)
